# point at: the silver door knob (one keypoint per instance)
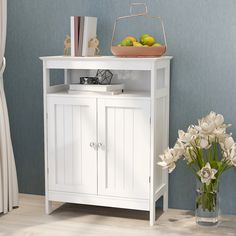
(100, 145)
(93, 145)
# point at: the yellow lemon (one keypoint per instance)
(133, 39)
(156, 45)
(137, 44)
(143, 36)
(126, 42)
(149, 40)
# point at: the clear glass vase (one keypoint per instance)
(207, 204)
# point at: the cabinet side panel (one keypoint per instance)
(161, 126)
(159, 147)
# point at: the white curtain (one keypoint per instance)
(8, 177)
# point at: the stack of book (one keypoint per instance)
(83, 29)
(110, 89)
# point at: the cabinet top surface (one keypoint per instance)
(104, 58)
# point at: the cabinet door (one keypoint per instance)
(124, 154)
(71, 128)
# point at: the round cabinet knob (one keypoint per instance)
(100, 145)
(92, 145)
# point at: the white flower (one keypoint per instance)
(230, 155)
(204, 143)
(179, 148)
(188, 137)
(184, 137)
(212, 127)
(227, 143)
(207, 174)
(168, 159)
(189, 155)
(217, 119)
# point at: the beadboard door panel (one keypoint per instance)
(72, 163)
(123, 159)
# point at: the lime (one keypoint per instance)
(126, 42)
(133, 39)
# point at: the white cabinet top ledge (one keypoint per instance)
(103, 62)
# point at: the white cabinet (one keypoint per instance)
(102, 149)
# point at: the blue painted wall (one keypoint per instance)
(202, 39)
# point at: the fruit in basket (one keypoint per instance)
(149, 40)
(143, 36)
(133, 39)
(137, 44)
(156, 45)
(127, 42)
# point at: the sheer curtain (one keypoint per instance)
(8, 178)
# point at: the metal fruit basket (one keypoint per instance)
(141, 51)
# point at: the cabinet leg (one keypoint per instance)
(165, 201)
(48, 207)
(152, 214)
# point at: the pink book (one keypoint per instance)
(75, 25)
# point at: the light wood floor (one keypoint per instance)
(29, 220)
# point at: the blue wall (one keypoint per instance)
(202, 39)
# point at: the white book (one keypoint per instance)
(116, 92)
(96, 87)
(72, 35)
(90, 31)
(81, 33)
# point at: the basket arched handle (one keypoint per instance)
(132, 6)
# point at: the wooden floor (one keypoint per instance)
(29, 220)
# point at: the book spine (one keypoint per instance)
(81, 35)
(72, 35)
(76, 39)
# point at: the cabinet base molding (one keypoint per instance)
(89, 199)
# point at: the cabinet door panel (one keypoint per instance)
(123, 160)
(72, 162)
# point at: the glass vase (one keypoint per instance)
(207, 204)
